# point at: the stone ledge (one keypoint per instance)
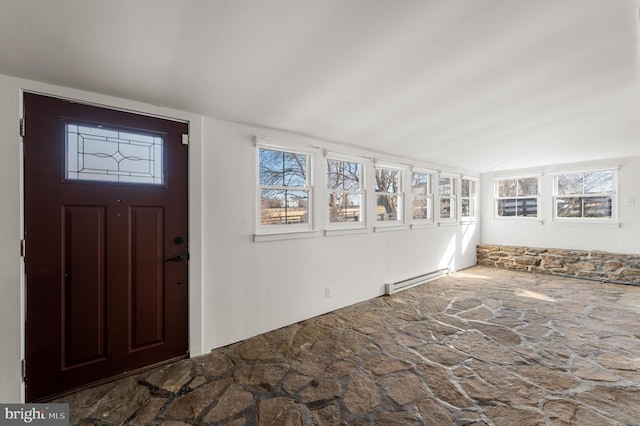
(587, 264)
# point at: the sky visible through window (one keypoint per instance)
(283, 187)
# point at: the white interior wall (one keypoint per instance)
(237, 287)
(10, 261)
(624, 238)
(255, 287)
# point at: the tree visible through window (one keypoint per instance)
(388, 194)
(344, 182)
(584, 195)
(517, 197)
(284, 187)
(421, 197)
(447, 198)
(468, 198)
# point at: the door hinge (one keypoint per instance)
(23, 130)
(23, 248)
(185, 139)
(24, 369)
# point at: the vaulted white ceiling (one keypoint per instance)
(478, 84)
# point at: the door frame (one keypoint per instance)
(194, 184)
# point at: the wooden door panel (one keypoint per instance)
(147, 276)
(101, 300)
(83, 279)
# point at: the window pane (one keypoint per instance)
(270, 167)
(420, 184)
(507, 187)
(468, 208)
(388, 207)
(446, 186)
(284, 207)
(569, 207)
(295, 169)
(99, 154)
(507, 207)
(527, 207)
(598, 182)
(597, 206)
(465, 190)
(351, 175)
(344, 207)
(422, 207)
(280, 168)
(528, 186)
(337, 206)
(584, 207)
(334, 175)
(468, 188)
(343, 175)
(388, 180)
(570, 184)
(354, 203)
(447, 208)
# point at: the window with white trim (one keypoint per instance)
(447, 192)
(517, 197)
(468, 197)
(389, 195)
(285, 190)
(585, 195)
(346, 192)
(422, 197)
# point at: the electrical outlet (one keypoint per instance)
(630, 201)
(328, 292)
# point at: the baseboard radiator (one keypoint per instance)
(391, 288)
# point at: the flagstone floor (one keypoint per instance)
(480, 347)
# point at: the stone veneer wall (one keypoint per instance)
(592, 265)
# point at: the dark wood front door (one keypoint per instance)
(106, 198)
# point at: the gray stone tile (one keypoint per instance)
(480, 347)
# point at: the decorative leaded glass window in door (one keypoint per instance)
(95, 153)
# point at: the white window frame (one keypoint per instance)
(587, 220)
(428, 197)
(472, 198)
(362, 223)
(285, 229)
(453, 198)
(537, 196)
(400, 221)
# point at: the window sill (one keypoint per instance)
(258, 238)
(587, 223)
(390, 228)
(469, 221)
(351, 231)
(523, 220)
(455, 223)
(423, 225)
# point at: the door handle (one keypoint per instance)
(177, 258)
